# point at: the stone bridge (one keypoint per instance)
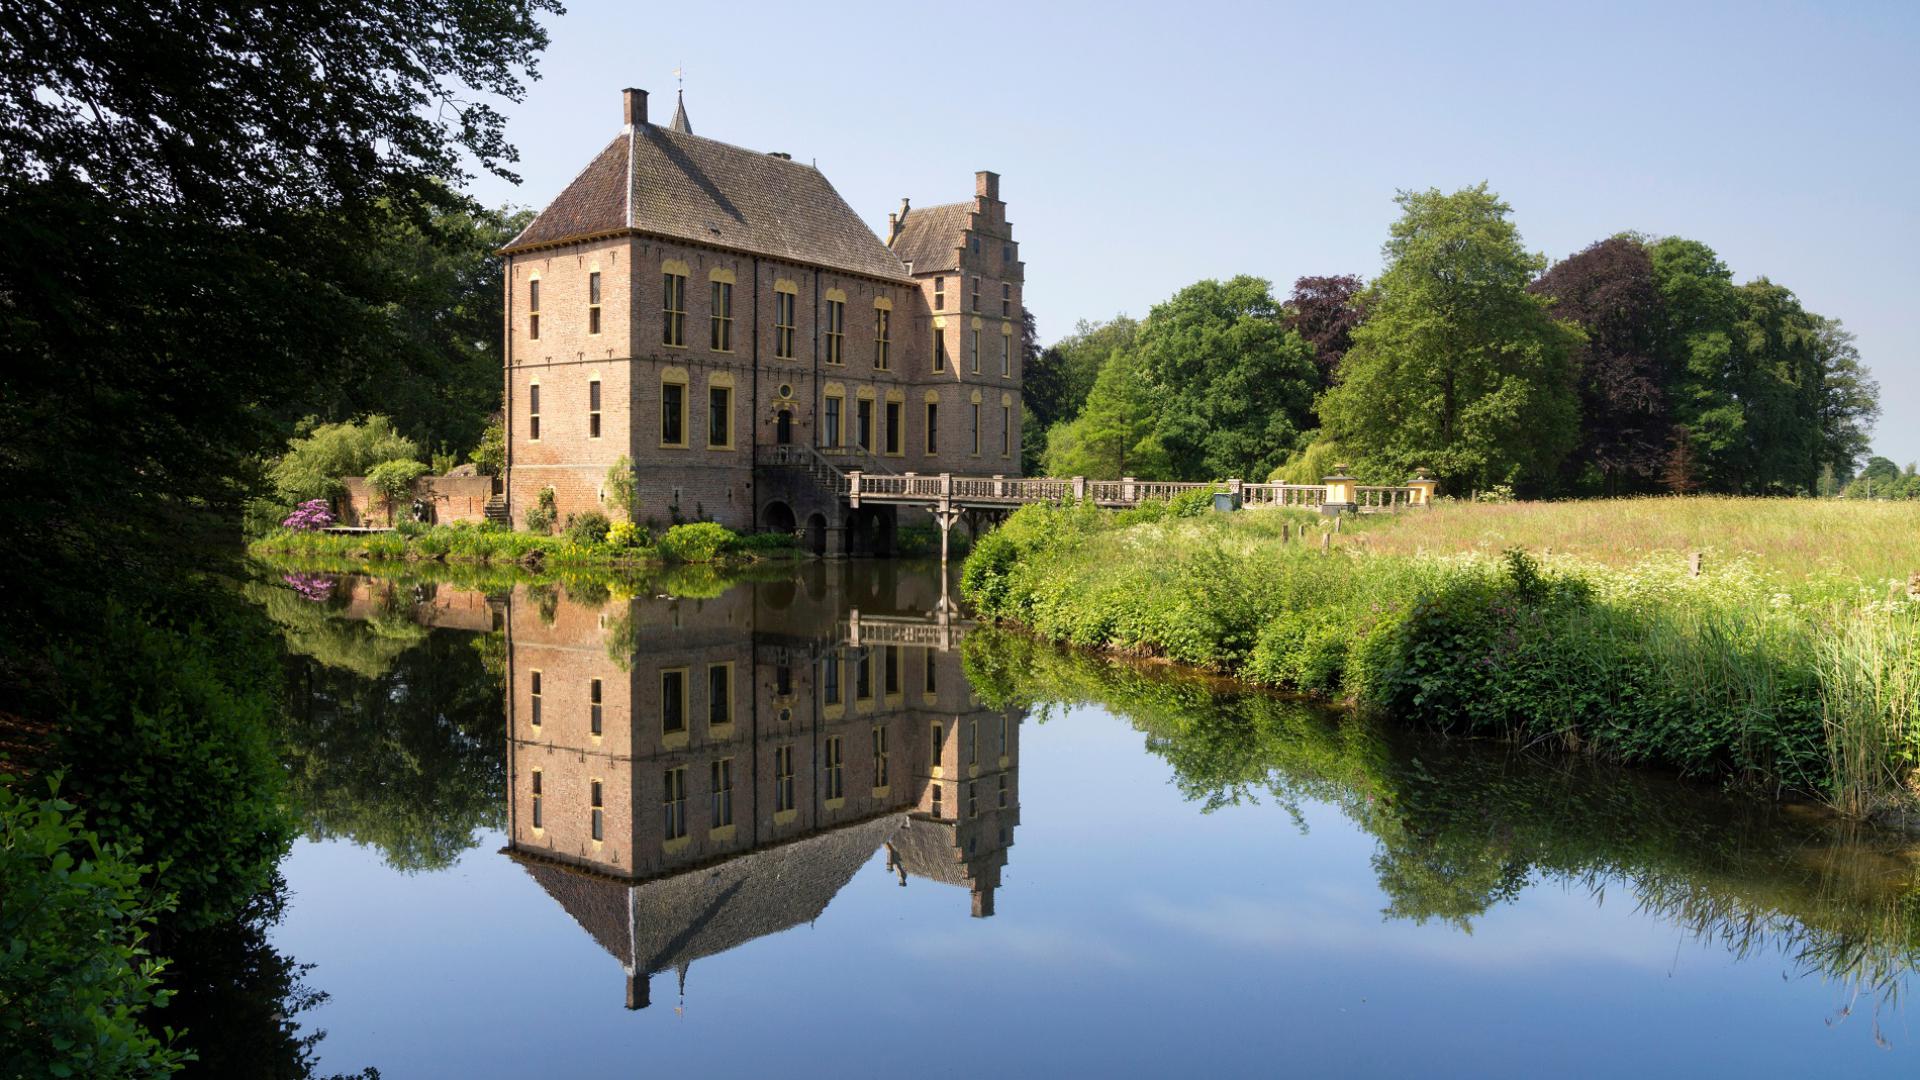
(948, 496)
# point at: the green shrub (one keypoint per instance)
(625, 534)
(587, 527)
(696, 542)
(541, 516)
(765, 543)
(75, 974)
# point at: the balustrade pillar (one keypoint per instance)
(853, 487)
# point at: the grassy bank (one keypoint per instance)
(620, 547)
(1768, 669)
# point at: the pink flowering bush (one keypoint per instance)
(308, 516)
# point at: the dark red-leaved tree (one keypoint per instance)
(1325, 311)
(1608, 290)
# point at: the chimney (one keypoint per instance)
(987, 185)
(895, 221)
(634, 106)
(639, 983)
(781, 154)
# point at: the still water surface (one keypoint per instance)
(841, 835)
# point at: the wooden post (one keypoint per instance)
(1694, 564)
(1286, 534)
(1326, 542)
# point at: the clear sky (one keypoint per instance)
(1143, 147)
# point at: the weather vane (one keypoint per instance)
(680, 75)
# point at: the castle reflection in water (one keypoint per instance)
(688, 775)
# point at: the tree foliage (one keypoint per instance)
(1113, 436)
(192, 219)
(1458, 366)
(1608, 291)
(75, 970)
(1325, 311)
(1232, 387)
(318, 457)
(408, 759)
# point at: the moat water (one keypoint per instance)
(820, 825)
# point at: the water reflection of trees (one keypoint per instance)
(239, 999)
(1463, 827)
(393, 735)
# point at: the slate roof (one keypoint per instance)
(931, 850)
(709, 910)
(678, 185)
(930, 236)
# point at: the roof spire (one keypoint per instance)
(680, 123)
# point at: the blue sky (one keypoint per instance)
(1145, 147)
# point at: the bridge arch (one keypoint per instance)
(778, 517)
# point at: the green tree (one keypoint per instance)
(1056, 383)
(1849, 402)
(623, 489)
(1114, 434)
(490, 454)
(393, 481)
(317, 459)
(1232, 386)
(1696, 344)
(1458, 367)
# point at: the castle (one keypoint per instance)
(723, 319)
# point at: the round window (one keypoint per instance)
(786, 390)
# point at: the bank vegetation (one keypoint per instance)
(1772, 667)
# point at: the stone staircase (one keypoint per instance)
(496, 511)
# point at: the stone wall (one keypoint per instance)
(452, 498)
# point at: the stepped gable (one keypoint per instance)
(931, 850)
(931, 236)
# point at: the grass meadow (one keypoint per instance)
(1791, 663)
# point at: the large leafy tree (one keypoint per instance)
(1233, 387)
(1779, 387)
(1608, 291)
(1849, 403)
(1113, 436)
(1458, 366)
(1699, 304)
(1058, 382)
(1325, 311)
(192, 212)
